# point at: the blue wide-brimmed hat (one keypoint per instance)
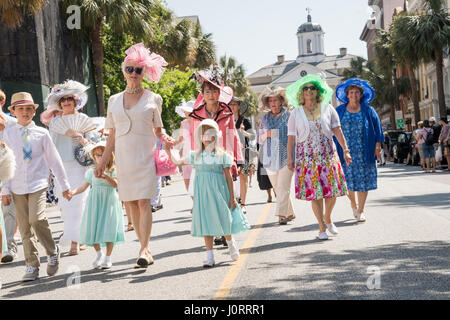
(369, 92)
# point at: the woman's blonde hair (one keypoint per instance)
(110, 164)
(301, 97)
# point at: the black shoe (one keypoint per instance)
(159, 207)
(217, 240)
(153, 209)
(224, 242)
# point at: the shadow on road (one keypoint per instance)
(415, 270)
(434, 200)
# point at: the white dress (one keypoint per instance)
(135, 144)
(71, 211)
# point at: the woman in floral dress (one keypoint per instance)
(319, 176)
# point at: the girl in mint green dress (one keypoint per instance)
(102, 222)
(215, 212)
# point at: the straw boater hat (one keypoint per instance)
(22, 99)
(70, 87)
(272, 92)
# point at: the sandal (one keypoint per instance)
(283, 221)
(290, 218)
(130, 227)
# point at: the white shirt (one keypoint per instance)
(33, 176)
(298, 124)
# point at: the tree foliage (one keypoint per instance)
(174, 86)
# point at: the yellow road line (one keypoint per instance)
(227, 284)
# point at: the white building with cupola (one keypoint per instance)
(311, 59)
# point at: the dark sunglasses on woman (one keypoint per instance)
(313, 88)
(130, 70)
(64, 99)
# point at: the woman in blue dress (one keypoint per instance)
(362, 130)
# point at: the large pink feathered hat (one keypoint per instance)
(153, 63)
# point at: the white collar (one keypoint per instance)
(31, 125)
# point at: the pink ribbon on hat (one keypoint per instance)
(152, 62)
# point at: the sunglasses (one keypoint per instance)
(313, 88)
(130, 70)
(64, 99)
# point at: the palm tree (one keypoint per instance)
(431, 34)
(356, 68)
(405, 53)
(183, 43)
(133, 16)
(385, 64)
(234, 75)
(12, 13)
(205, 51)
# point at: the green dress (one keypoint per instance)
(103, 217)
(211, 215)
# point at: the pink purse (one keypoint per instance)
(164, 167)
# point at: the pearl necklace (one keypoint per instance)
(134, 91)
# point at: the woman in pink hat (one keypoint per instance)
(134, 121)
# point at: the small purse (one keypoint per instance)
(164, 167)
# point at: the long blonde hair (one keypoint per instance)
(110, 165)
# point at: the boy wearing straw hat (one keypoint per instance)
(35, 153)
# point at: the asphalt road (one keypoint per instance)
(401, 252)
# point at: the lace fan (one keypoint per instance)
(71, 124)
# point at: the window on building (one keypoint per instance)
(308, 46)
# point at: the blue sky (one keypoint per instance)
(255, 32)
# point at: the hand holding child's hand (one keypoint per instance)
(6, 199)
(67, 195)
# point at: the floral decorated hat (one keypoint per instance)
(70, 87)
(293, 89)
(153, 63)
(212, 76)
(341, 90)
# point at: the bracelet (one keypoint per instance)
(347, 151)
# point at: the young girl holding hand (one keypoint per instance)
(215, 211)
(102, 223)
